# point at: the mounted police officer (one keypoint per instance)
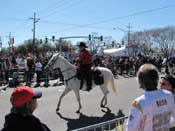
(84, 66)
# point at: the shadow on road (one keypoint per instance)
(84, 120)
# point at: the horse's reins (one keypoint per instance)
(66, 69)
(70, 77)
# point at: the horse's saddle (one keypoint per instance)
(97, 76)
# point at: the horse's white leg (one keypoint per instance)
(101, 103)
(105, 93)
(66, 90)
(77, 94)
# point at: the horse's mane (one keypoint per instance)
(65, 60)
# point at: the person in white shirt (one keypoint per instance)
(38, 70)
(154, 109)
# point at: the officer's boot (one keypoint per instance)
(81, 84)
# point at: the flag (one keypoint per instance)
(119, 126)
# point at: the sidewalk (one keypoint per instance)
(52, 83)
(3, 88)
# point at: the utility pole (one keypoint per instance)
(0, 44)
(9, 42)
(129, 30)
(35, 20)
(130, 48)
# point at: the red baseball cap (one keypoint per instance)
(23, 94)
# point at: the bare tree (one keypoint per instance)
(162, 38)
(165, 39)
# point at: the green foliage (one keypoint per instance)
(4, 51)
(42, 48)
(63, 45)
(21, 49)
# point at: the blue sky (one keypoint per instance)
(82, 17)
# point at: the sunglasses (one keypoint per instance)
(162, 83)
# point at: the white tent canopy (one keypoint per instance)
(117, 51)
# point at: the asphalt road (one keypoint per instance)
(91, 113)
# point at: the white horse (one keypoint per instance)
(73, 83)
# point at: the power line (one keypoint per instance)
(78, 26)
(21, 24)
(11, 19)
(24, 30)
(94, 23)
(57, 8)
(112, 19)
(134, 14)
(50, 7)
(88, 25)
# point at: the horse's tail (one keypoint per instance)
(113, 84)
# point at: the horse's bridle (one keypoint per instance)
(52, 62)
(70, 68)
(62, 71)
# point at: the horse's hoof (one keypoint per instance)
(102, 106)
(78, 111)
(57, 110)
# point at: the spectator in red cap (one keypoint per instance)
(21, 118)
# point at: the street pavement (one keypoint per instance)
(91, 113)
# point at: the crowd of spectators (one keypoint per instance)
(14, 71)
(127, 65)
(33, 67)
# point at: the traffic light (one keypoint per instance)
(123, 42)
(46, 40)
(40, 41)
(53, 38)
(89, 37)
(113, 43)
(101, 38)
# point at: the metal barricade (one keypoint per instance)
(14, 74)
(118, 124)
